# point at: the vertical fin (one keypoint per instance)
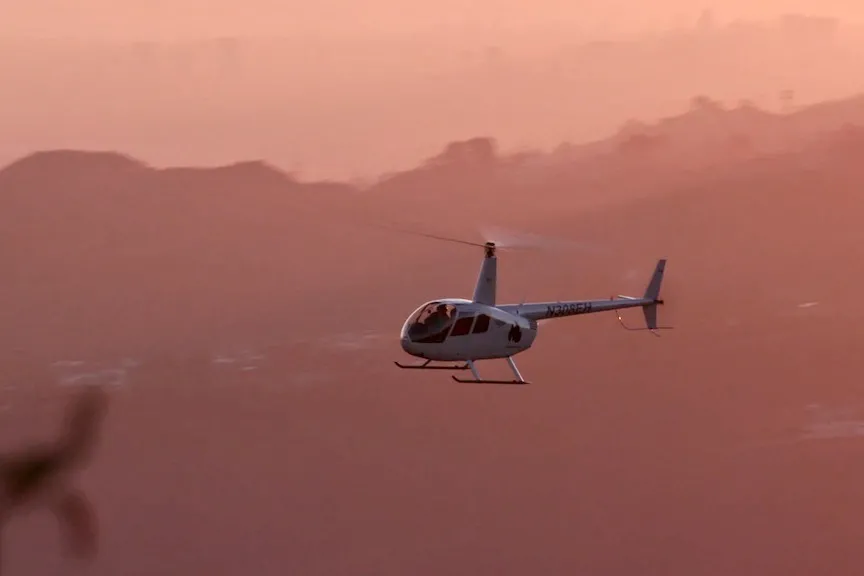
(652, 292)
(652, 295)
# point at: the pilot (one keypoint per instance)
(438, 318)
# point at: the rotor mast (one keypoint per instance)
(484, 290)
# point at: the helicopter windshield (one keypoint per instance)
(431, 323)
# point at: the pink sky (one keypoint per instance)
(173, 18)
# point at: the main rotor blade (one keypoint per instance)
(433, 236)
(507, 239)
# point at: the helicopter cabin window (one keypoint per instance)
(462, 326)
(432, 323)
(482, 324)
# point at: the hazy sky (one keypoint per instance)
(173, 18)
(360, 108)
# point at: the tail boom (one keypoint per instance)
(548, 310)
(648, 302)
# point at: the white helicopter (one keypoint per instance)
(465, 331)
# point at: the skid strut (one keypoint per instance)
(478, 380)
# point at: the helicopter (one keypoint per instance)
(460, 332)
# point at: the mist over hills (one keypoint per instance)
(639, 159)
(91, 235)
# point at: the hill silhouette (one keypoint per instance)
(97, 237)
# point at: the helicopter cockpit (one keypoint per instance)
(430, 323)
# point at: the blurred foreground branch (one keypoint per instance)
(39, 476)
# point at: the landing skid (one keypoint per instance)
(425, 366)
(483, 381)
(478, 380)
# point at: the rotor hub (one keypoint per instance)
(490, 249)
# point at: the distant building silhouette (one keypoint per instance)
(472, 151)
(706, 22)
(808, 31)
(787, 101)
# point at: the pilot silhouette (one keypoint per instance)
(38, 475)
(439, 317)
(515, 334)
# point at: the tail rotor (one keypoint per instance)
(650, 300)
